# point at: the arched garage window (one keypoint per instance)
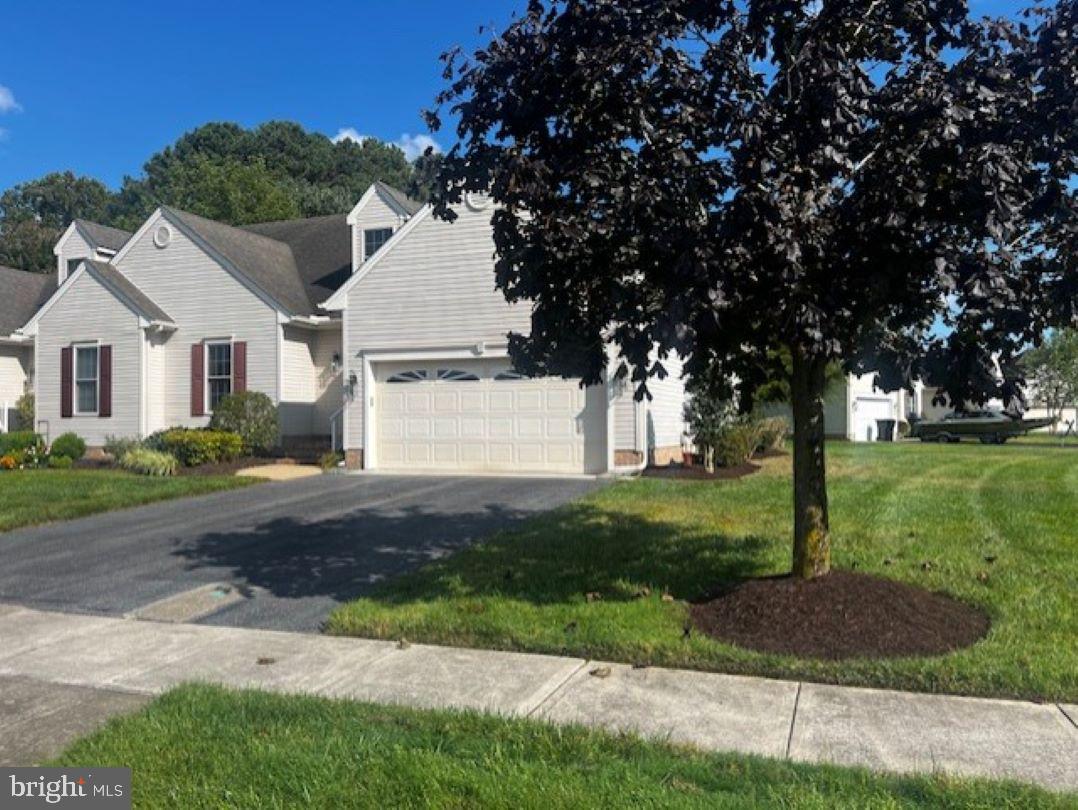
(455, 375)
(418, 375)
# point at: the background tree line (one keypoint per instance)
(221, 171)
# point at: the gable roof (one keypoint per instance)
(267, 263)
(321, 247)
(24, 294)
(103, 236)
(410, 206)
(122, 287)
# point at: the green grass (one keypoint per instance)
(30, 497)
(894, 508)
(201, 746)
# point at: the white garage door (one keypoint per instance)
(480, 416)
(866, 410)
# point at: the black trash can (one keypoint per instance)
(885, 430)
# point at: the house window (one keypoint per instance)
(456, 375)
(373, 239)
(218, 373)
(72, 266)
(87, 379)
(509, 376)
(418, 375)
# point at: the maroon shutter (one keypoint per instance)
(239, 367)
(104, 368)
(66, 383)
(198, 380)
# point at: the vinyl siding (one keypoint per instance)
(434, 289)
(666, 411)
(299, 381)
(625, 433)
(375, 214)
(15, 371)
(206, 302)
(329, 391)
(89, 313)
(74, 248)
(156, 376)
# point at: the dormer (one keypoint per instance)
(377, 216)
(86, 240)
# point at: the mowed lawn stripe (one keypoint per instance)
(990, 525)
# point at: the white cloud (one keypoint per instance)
(412, 145)
(7, 101)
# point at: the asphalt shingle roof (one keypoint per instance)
(410, 205)
(269, 264)
(102, 235)
(125, 288)
(21, 295)
(321, 247)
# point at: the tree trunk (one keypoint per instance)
(812, 534)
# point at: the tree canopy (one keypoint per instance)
(222, 171)
(739, 181)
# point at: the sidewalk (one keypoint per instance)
(807, 722)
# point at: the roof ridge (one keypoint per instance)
(290, 221)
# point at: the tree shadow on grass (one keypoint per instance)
(414, 554)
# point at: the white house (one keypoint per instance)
(381, 329)
(21, 294)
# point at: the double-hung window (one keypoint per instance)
(373, 239)
(87, 380)
(219, 377)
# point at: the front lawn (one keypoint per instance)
(991, 525)
(30, 497)
(206, 747)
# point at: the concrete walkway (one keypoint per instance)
(807, 722)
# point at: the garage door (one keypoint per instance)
(480, 416)
(866, 410)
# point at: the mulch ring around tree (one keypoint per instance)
(696, 471)
(842, 615)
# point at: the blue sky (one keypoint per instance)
(97, 87)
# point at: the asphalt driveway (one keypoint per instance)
(295, 549)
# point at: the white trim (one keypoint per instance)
(206, 248)
(610, 388)
(339, 299)
(85, 345)
(368, 195)
(280, 363)
(144, 381)
(56, 249)
(346, 394)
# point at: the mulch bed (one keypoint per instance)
(842, 615)
(225, 467)
(696, 473)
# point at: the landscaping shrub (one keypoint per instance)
(773, 433)
(69, 445)
(20, 440)
(8, 462)
(149, 462)
(253, 416)
(119, 446)
(330, 461)
(60, 462)
(737, 442)
(24, 411)
(192, 448)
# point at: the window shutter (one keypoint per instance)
(104, 360)
(239, 367)
(66, 383)
(198, 380)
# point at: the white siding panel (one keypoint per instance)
(88, 312)
(206, 302)
(330, 394)
(156, 382)
(74, 248)
(666, 411)
(625, 432)
(15, 371)
(375, 214)
(434, 289)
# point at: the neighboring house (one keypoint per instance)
(854, 406)
(21, 295)
(382, 328)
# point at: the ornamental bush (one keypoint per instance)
(149, 462)
(773, 433)
(69, 445)
(20, 440)
(119, 446)
(24, 411)
(60, 463)
(192, 448)
(253, 416)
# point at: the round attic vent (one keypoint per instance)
(162, 236)
(476, 201)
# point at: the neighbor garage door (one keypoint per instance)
(479, 416)
(866, 411)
